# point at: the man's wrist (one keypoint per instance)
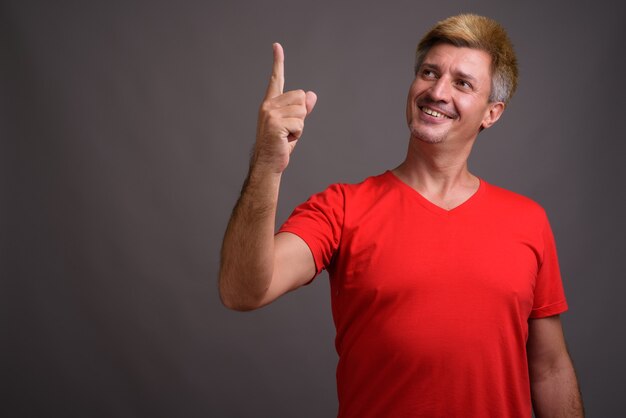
(262, 171)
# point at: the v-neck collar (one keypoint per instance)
(433, 207)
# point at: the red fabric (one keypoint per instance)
(431, 306)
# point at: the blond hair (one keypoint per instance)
(478, 32)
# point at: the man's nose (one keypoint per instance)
(441, 89)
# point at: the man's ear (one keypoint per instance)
(492, 115)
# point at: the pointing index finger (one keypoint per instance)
(277, 81)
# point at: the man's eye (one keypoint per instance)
(428, 73)
(464, 84)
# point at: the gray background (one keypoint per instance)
(126, 128)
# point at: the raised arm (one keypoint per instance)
(256, 266)
(553, 383)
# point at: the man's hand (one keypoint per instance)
(256, 266)
(281, 119)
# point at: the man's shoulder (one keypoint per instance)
(513, 201)
(378, 183)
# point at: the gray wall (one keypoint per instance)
(126, 128)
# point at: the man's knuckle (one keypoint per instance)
(273, 123)
(266, 106)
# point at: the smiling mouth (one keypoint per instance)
(433, 112)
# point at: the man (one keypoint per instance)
(446, 291)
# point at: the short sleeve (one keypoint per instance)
(319, 222)
(549, 296)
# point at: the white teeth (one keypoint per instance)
(432, 112)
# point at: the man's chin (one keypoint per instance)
(427, 137)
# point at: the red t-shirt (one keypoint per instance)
(431, 306)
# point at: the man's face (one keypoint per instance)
(449, 98)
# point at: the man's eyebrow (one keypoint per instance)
(430, 66)
(465, 76)
(458, 73)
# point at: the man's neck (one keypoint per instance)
(438, 172)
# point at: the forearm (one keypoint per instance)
(555, 393)
(247, 258)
